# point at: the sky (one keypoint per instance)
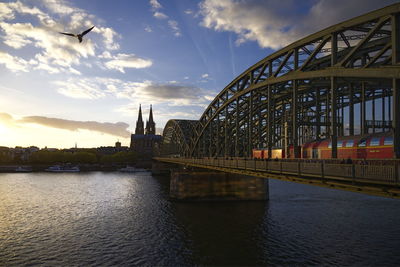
(175, 55)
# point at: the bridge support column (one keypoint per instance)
(396, 117)
(396, 84)
(351, 110)
(208, 185)
(160, 168)
(334, 131)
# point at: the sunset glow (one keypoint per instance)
(176, 55)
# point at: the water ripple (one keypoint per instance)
(92, 219)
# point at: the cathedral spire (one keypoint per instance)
(151, 115)
(150, 124)
(139, 123)
(140, 113)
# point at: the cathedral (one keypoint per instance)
(145, 141)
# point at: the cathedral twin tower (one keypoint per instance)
(145, 141)
(150, 124)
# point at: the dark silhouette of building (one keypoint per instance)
(118, 144)
(150, 124)
(139, 123)
(145, 144)
(109, 150)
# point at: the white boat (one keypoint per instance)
(131, 169)
(58, 168)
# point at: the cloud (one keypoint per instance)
(148, 28)
(175, 28)
(188, 11)
(84, 89)
(13, 63)
(108, 37)
(171, 94)
(173, 24)
(205, 78)
(39, 26)
(6, 12)
(155, 4)
(116, 129)
(160, 15)
(59, 51)
(6, 118)
(274, 24)
(167, 91)
(106, 55)
(59, 7)
(122, 61)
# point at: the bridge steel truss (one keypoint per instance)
(328, 84)
(176, 137)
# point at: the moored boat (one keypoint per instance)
(58, 168)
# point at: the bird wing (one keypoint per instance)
(70, 34)
(88, 30)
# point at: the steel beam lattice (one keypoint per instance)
(318, 87)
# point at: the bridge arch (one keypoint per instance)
(176, 137)
(315, 87)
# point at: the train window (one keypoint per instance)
(375, 141)
(388, 141)
(315, 153)
(330, 145)
(363, 142)
(350, 143)
(339, 143)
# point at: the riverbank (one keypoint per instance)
(10, 168)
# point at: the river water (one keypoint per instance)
(91, 219)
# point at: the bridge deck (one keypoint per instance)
(379, 180)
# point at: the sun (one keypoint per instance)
(3, 129)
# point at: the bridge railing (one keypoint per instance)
(382, 174)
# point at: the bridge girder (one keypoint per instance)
(176, 137)
(308, 89)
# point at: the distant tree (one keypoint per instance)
(53, 157)
(89, 156)
(44, 156)
(83, 157)
(5, 158)
(129, 157)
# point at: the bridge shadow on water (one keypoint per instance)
(221, 232)
(299, 225)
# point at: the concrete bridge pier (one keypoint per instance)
(161, 168)
(212, 185)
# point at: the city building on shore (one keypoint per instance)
(108, 150)
(145, 141)
(19, 154)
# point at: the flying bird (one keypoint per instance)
(79, 36)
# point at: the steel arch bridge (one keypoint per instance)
(176, 137)
(315, 87)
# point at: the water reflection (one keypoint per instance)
(125, 219)
(223, 233)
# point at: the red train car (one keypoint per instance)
(280, 153)
(262, 153)
(379, 146)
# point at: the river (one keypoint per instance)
(95, 218)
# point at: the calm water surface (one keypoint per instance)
(91, 219)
